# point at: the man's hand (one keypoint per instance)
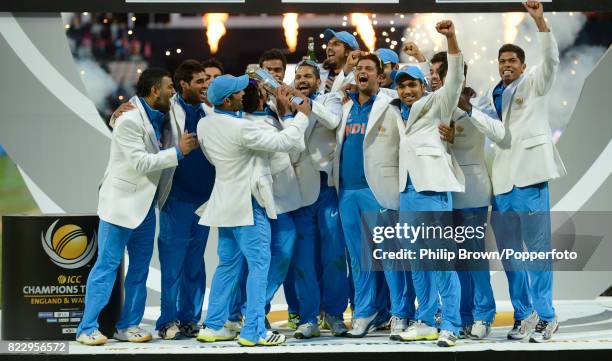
(283, 95)
(188, 143)
(446, 28)
(345, 90)
(305, 107)
(447, 133)
(351, 61)
(122, 109)
(464, 100)
(411, 49)
(536, 11)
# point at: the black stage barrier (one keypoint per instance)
(45, 263)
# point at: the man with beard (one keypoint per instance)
(182, 240)
(240, 204)
(390, 61)
(317, 222)
(336, 74)
(141, 149)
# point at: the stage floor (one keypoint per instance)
(584, 325)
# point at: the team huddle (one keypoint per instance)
(288, 175)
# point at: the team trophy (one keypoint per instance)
(268, 81)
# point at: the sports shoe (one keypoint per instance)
(527, 326)
(464, 332)
(207, 334)
(544, 331)
(335, 325)
(479, 330)
(361, 326)
(133, 334)
(447, 339)
(189, 329)
(293, 321)
(169, 331)
(273, 338)
(419, 331)
(382, 321)
(95, 339)
(307, 330)
(398, 325)
(235, 326)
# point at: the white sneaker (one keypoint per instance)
(419, 331)
(398, 325)
(480, 330)
(235, 326)
(95, 339)
(544, 331)
(169, 331)
(307, 330)
(335, 325)
(361, 326)
(207, 334)
(527, 327)
(273, 338)
(447, 339)
(133, 334)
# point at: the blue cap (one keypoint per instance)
(387, 56)
(224, 86)
(412, 71)
(343, 36)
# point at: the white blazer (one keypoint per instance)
(468, 149)
(380, 151)
(422, 153)
(526, 155)
(285, 188)
(340, 80)
(231, 145)
(134, 169)
(320, 139)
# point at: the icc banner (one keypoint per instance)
(45, 263)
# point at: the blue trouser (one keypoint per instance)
(282, 242)
(522, 216)
(358, 210)
(235, 245)
(293, 304)
(112, 241)
(432, 208)
(181, 247)
(320, 221)
(477, 301)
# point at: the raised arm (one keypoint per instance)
(451, 91)
(545, 72)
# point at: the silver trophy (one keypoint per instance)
(267, 81)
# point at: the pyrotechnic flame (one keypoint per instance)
(291, 26)
(511, 23)
(365, 29)
(215, 29)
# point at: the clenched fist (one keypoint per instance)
(446, 28)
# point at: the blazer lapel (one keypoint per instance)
(380, 104)
(346, 109)
(507, 97)
(417, 110)
(146, 123)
